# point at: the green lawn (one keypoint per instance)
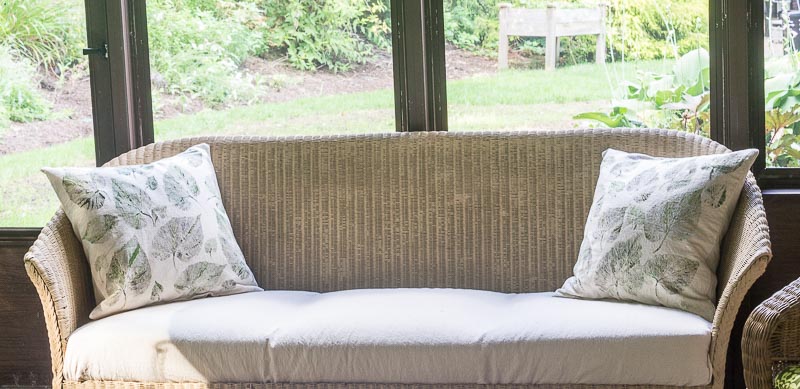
(511, 99)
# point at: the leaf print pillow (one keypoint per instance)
(655, 227)
(153, 233)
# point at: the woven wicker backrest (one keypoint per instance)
(493, 211)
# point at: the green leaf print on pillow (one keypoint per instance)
(99, 228)
(671, 272)
(155, 294)
(619, 261)
(180, 187)
(129, 270)
(84, 192)
(235, 258)
(715, 195)
(610, 224)
(195, 157)
(180, 239)
(674, 219)
(134, 205)
(199, 277)
(152, 183)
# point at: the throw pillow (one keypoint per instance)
(153, 233)
(655, 227)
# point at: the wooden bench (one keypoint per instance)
(551, 23)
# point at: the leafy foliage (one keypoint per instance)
(681, 100)
(332, 33)
(678, 100)
(782, 111)
(20, 99)
(46, 32)
(617, 118)
(198, 53)
(650, 29)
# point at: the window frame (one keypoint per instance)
(418, 59)
(737, 70)
(122, 110)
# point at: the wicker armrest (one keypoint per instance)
(745, 253)
(57, 267)
(771, 336)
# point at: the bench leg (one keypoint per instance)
(550, 52)
(550, 40)
(502, 44)
(502, 52)
(600, 54)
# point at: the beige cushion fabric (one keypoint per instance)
(395, 336)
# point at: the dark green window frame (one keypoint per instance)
(737, 85)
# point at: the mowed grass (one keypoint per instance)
(506, 100)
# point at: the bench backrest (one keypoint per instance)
(494, 211)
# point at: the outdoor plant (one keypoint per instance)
(20, 100)
(677, 100)
(334, 34)
(199, 53)
(46, 32)
(782, 111)
(680, 100)
(650, 29)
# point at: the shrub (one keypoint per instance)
(20, 100)
(472, 24)
(198, 52)
(47, 32)
(680, 100)
(677, 100)
(332, 33)
(650, 29)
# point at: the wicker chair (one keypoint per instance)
(262, 179)
(771, 338)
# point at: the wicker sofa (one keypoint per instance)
(484, 212)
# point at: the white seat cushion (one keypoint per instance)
(395, 336)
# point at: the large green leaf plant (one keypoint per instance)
(681, 99)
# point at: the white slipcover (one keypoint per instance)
(395, 336)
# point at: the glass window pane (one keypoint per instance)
(623, 63)
(45, 104)
(263, 67)
(782, 84)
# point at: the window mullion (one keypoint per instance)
(737, 77)
(122, 103)
(419, 65)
